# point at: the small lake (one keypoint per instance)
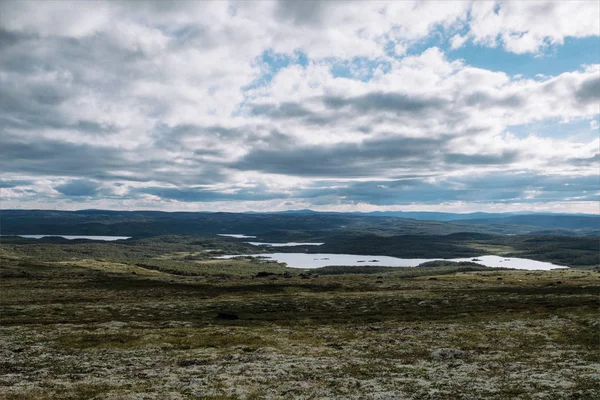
(308, 261)
(236, 235)
(284, 244)
(71, 237)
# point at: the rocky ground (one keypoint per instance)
(89, 331)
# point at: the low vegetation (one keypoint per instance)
(158, 319)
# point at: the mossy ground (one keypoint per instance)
(89, 328)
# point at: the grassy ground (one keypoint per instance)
(98, 328)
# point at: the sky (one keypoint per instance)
(274, 105)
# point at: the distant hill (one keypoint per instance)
(289, 225)
(545, 220)
(153, 223)
(439, 216)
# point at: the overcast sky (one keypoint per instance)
(329, 105)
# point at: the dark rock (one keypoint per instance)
(263, 274)
(223, 315)
(189, 363)
(499, 278)
(433, 279)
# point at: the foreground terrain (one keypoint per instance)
(75, 325)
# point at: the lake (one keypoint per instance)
(284, 244)
(236, 235)
(308, 261)
(71, 237)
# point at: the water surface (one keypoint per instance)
(236, 235)
(71, 237)
(284, 244)
(305, 260)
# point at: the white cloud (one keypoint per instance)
(529, 26)
(457, 41)
(174, 96)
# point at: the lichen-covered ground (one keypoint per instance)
(101, 330)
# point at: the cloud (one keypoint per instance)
(5, 184)
(141, 104)
(58, 158)
(506, 157)
(496, 187)
(594, 160)
(370, 158)
(482, 99)
(457, 41)
(589, 91)
(394, 102)
(530, 27)
(207, 195)
(79, 187)
(289, 110)
(307, 13)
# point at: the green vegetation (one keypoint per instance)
(139, 320)
(192, 254)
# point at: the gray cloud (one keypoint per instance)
(7, 184)
(79, 187)
(48, 157)
(291, 110)
(486, 100)
(531, 181)
(594, 160)
(301, 13)
(370, 158)
(393, 102)
(373, 157)
(385, 193)
(505, 157)
(258, 193)
(589, 91)
(8, 39)
(172, 137)
(494, 187)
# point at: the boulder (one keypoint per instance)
(263, 274)
(230, 316)
(447, 354)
